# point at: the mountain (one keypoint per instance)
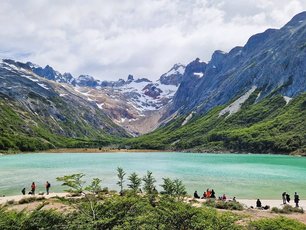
(36, 113)
(173, 76)
(251, 99)
(136, 105)
(272, 61)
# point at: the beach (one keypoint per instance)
(246, 202)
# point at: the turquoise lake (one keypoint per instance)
(241, 175)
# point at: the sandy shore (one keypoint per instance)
(17, 198)
(98, 150)
(247, 202)
(271, 203)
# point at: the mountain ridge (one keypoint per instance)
(240, 91)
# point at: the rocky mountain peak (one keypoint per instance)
(297, 20)
(173, 76)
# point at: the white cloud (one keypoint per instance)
(110, 39)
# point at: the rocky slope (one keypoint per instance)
(37, 113)
(134, 104)
(272, 61)
(251, 99)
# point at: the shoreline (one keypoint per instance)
(115, 150)
(246, 202)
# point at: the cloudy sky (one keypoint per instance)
(113, 38)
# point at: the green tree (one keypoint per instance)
(135, 182)
(174, 188)
(120, 175)
(149, 187)
(149, 181)
(179, 189)
(95, 186)
(74, 182)
(168, 186)
(76, 185)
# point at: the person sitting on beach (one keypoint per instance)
(284, 197)
(23, 191)
(204, 195)
(208, 193)
(33, 187)
(195, 195)
(258, 204)
(296, 199)
(213, 194)
(224, 197)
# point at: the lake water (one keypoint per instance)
(244, 176)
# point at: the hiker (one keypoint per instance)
(234, 199)
(213, 194)
(23, 191)
(224, 197)
(48, 185)
(296, 199)
(287, 197)
(258, 203)
(284, 197)
(195, 195)
(33, 187)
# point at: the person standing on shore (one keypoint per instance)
(284, 197)
(33, 187)
(23, 191)
(48, 185)
(288, 197)
(296, 199)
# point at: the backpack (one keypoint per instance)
(49, 185)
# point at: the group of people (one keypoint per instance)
(33, 189)
(208, 194)
(286, 198)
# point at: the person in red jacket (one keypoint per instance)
(33, 187)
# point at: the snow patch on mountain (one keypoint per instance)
(187, 119)
(287, 99)
(199, 75)
(236, 105)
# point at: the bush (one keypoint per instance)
(27, 200)
(44, 219)
(287, 209)
(220, 204)
(279, 223)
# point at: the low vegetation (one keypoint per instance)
(279, 223)
(22, 131)
(287, 209)
(269, 126)
(220, 204)
(98, 208)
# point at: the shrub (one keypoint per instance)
(279, 223)
(287, 209)
(220, 204)
(27, 200)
